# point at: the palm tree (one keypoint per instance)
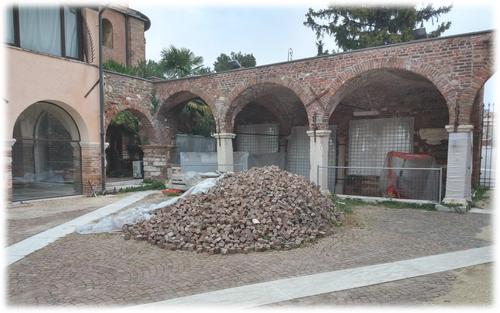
(180, 62)
(195, 117)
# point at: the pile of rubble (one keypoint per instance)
(260, 209)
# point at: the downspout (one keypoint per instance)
(101, 104)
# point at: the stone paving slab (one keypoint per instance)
(29, 245)
(32, 217)
(310, 285)
(429, 289)
(105, 269)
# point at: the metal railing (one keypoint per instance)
(387, 182)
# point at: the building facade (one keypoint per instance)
(52, 96)
(346, 110)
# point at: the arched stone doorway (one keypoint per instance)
(270, 123)
(46, 156)
(189, 123)
(128, 134)
(380, 111)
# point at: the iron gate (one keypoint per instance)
(487, 168)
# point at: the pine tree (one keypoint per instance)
(368, 26)
(222, 63)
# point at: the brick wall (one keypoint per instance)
(124, 92)
(458, 66)
(476, 120)
(455, 66)
(91, 167)
(137, 44)
(117, 52)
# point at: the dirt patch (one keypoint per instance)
(486, 233)
(486, 201)
(473, 286)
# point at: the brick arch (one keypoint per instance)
(467, 97)
(447, 86)
(146, 126)
(230, 110)
(166, 97)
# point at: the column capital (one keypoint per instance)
(9, 142)
(319, 133)
(89, 144)
(224, 135)
(460, 128)
(155, 146)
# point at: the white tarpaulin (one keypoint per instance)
(115, 222)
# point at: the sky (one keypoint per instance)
(267, 31)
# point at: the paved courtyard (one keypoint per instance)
(25, 219)
(105, 269)
(446, 288)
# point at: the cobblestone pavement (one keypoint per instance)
(433, 288)
(32, 217)
(28, 219)
(105, 269)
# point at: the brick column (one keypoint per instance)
(476, 118)
(91, 167)
(7, 172)
(155, 161)
(319, 157)
(459, 168)
(225, 151)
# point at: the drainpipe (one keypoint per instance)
(101, 104)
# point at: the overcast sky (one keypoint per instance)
(266, 31)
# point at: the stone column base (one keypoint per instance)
(7, 170)
(155, 161)
(225, 151)
(91, 167)
(319, 158)
(459, 168)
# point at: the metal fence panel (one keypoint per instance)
(487, 168)
(371, 139)
(390, 182)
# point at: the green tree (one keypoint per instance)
(195, 117)
(320, 45)
(149, 69)
(222, 63)
(368, 26)
(127, 120)
(180, 62)
(145, 69)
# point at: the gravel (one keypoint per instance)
(256, 210)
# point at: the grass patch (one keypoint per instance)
(346, 204)
(479, 193)
(146, 185)
(406, 205)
